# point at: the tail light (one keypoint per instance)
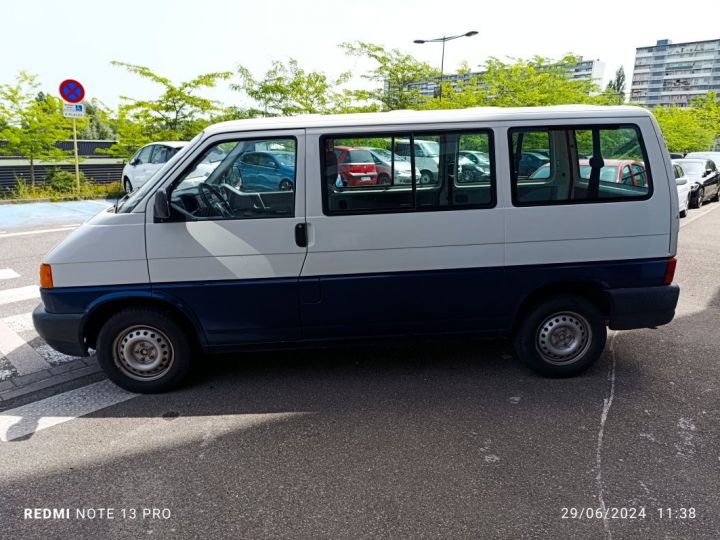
(670, 270)
(46, 279)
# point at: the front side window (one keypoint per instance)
(567, 165)
(407, 172)
(234, 180)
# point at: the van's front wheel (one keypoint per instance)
(561, 336)
(143, 350)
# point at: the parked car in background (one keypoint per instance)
(704, 180)
(267, 171)
(147, 161)
(481, 159)
(530, 162)
(714, 156)
(617, 171)
(427, 157)
(356, 166)
(683, 188)
(385, 160)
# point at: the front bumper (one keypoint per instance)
(642, 307)
(62, 331)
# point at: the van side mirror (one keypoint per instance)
(161, 206)
(681, 181)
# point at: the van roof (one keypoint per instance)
(475, 114)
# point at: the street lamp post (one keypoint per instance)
(442, 58)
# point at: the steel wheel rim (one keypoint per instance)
(563, 338)
(143, 353)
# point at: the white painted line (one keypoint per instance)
(40, 231)
(8, 296)
(19, 323)
(58, 409)
(21, 355)
(8, 273)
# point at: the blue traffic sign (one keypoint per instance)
(72, 91)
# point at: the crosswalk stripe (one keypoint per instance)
(8, 273)
(19, 323)
(8, 296)
(22, 356)
(33, 417)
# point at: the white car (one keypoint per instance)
(683, 188)
(147, 161)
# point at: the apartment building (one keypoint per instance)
(675, 73)
(591, 70)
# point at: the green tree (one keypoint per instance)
(393, 71)
(615, 90)
(520, 83)
(135, 127)
(99, 122)
(287, 89)
(682, 130)
(32, 123)
(179, 113)
(707, 109)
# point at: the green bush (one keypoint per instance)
(61, 181)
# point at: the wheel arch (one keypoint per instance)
(592, 291)
(99, 313)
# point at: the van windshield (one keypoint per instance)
(128, 203)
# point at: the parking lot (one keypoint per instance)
(425, 440)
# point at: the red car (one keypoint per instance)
(356, 166)
(618, 171)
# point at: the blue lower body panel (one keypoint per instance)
(482, 300)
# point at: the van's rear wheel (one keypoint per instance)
(561, 336)
(143, 350)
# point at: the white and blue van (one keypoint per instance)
(205, 261)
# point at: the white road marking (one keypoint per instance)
(34, 417)
(8, 296)
(40, 231)
(22, 356)
(19, 323)
(607, 404)
(8, 273)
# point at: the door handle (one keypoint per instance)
(301, 238)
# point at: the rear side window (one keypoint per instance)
(578, 164)
(413, 171)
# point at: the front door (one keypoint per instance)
(229, 254)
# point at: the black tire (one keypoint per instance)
(699, 198)
(143, 330)
(426, 177)
(683, 213)
(127, 185)
(575, 322)
(285, 185)
(383, 179)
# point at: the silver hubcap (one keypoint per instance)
(143, 353)
(563, 338)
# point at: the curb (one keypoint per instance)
(40, 380)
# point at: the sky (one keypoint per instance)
(180, 39)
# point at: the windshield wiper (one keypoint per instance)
(119, 200)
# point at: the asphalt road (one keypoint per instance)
(427, 440)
